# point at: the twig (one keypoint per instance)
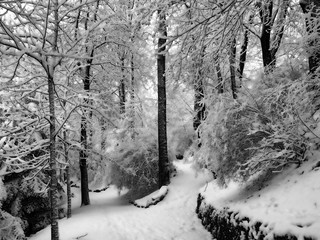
(307, 126)
(81, 236)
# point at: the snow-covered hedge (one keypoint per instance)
(226, 224)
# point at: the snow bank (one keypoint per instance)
(288, 205)
(152, 199)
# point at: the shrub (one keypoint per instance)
(257, 134)
(134, 162)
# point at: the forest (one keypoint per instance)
(101, 93)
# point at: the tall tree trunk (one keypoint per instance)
(199, 107)
(312, 7)
(265, 38)
(132, 65)
(232, 62)
(271, 43)
(164, 178)
(132, 97)
(66, 156)
(219, 75)
(52, 158)
(85, 200)
(53, 163)
(243, 52)
(122, 91)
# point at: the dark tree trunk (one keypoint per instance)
(103, 138)
(53, 163)
(219, 75)
(122, 91)
(313, 30)
(132, 97)
(66, 155)
(271, 43)
(265, 38)
(243, 51)
(85, 200)
(52, 158)
(232, 62)
(164, 178)
(199, 107)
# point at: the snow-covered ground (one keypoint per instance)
(110, 217)
(290, 204)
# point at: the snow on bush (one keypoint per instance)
(3, 193)
(134, 162)
(10, 227)
(152, 199)
(259, 133)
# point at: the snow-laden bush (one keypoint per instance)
(10, 227)
(257, 133)
(134, 162)
(3, 192)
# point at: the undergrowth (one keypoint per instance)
(266, 130)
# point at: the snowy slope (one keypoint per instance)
(290, 204)
(109, 217)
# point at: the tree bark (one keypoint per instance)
(132, 97)
(164, 178)
(85, 200)
(312, 26)
(265, 38)
(243, 51)
(219, 75)
(199, 107)
(66, 155)
(53, 163)
(52, 158)
(271, 43)
(232, 62)
(122, 91)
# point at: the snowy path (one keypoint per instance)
(110, 218)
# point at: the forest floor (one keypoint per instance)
(111, 217)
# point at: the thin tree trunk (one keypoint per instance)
(53, 163)
(199, 107)
(85, 200)
(52, 159)
(103, 139)
(132, 97)
(66, 155)
(219, 75)
(232, 62)
(164, 178)
(243, 52)
(122, 93)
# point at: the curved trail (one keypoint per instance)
(110, 218)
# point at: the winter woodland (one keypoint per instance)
(116, 114)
